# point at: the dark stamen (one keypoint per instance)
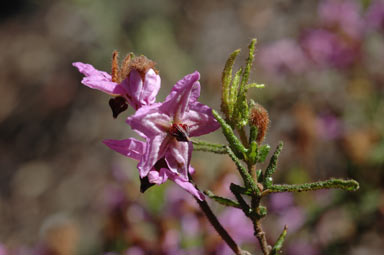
(118, 105)
(180, 132)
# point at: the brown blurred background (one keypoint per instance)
(63, 192)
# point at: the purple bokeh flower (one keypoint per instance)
(167, 127)
(159, 173)
(329, 49)
(134, 250)
(344, 15)
(3, 250)
(302, 247)
(293, 217)
(375, 15)
(136, 89)
(239, 227)
(280, 201)
(283, 56)
(329, 127)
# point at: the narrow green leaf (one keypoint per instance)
(272, 166)
(234, 143)
(263, 152)
(226, 83)
(254, 85)
(252, 134)
(200, 145)
(253, 152)
(234, 90)
(241, 190)
(237, 191)
(247, 178)
(222, 200)
(241, 111)
(259, 174)
(248, 66)
(348, 185)
(279, 243)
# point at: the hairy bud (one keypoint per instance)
(259, 118)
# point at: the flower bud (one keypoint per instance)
(259, 118)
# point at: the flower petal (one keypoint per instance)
(186, 185)
(158, 177)
(131, 147)
(178, 157)
(200, 120)
(149, 121)
(152, 83)
(184, 92)
(154, 151)
(141, 92)
(99, 80)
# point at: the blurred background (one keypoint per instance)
(63, 192)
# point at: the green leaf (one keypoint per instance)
(200, 145)
(226, 83)
(247, 178)
(241, 111)
(279, 243)
(253, 152)
(222, 200)
(234, 90)
(252, 134)
(348, 185)
(234, 143)
(272, 166)
(254, 85)
(263, 152)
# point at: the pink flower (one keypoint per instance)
(159, 173)
(167, 127)
(138, 85)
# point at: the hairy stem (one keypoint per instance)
(260, 234)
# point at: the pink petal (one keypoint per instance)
(187, 186)
(178, 157)
(152, 83)
(131, 147)
(184, 92)
(133, 84)
(158, 177)
(191, 170)
(99, 80)
(149, 121)
(200, 120)
(142, 93)
(154, 151)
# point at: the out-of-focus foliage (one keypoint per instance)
(63, 192)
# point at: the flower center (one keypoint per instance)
(180, 132)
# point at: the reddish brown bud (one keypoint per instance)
(259, 118)
(141, 64)
(115, 67)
